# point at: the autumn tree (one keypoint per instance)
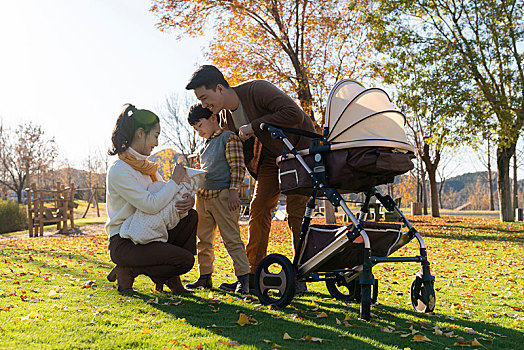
(22, 150)
(432, 97)
(176, 131)
(301, 45)
(485, 155)
(486, 36)
(406, 188)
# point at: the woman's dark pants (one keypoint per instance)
(160, 261)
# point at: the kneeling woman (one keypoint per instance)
(134, 137)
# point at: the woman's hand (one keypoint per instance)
(183, 206)
(179, 173)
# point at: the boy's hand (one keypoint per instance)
(185, 204)
(233, 201)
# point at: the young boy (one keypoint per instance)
(217, 201)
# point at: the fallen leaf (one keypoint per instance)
(316, 340)
(242, 319)
(233, 343)
(475, 342)
(469, 330)
(420, 338)
(462, 343)
(145, 331)
(287, 336)
(322, 315)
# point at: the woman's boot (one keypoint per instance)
(175, 284)
(124, 275)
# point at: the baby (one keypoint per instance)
(144, 228)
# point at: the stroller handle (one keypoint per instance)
(276, 133)
(272, 129)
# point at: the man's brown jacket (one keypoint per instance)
(263, 102)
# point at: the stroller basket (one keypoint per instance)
(384, 238)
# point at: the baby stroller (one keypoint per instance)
(363, 145)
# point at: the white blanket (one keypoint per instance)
(144, 228)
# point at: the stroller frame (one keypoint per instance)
(285, 282)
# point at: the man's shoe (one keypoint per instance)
(251, 281)
(204, 281)
(242, 284)
(230, 287)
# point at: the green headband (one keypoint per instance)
(144, 117)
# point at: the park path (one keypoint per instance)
(91, 229)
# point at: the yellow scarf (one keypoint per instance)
(145, 166)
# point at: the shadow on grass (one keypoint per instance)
(218, 318)
(300, 319)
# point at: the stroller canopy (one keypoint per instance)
(360, 117)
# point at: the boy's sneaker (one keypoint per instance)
(204, 281)
(242, 284)
(230, 287)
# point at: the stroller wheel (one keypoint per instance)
(341, 290)
(422, 295)
(275, 280)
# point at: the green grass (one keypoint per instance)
(54, 295)
(82, 205)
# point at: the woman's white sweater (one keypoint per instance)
(126, 191)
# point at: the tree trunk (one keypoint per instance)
(19, 195)
(390, 189)
(419, 186)
(490, 180)
(515, 183)
(504, 154)
(440, 189)
(435, 212)
(424, 193)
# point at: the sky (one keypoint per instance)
(70, 65)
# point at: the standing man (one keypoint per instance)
(242, 109)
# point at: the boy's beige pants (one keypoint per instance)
(212, 213)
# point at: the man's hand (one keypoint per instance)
(179, 174)
(245, 132)
(233, 202)
(185, 204)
